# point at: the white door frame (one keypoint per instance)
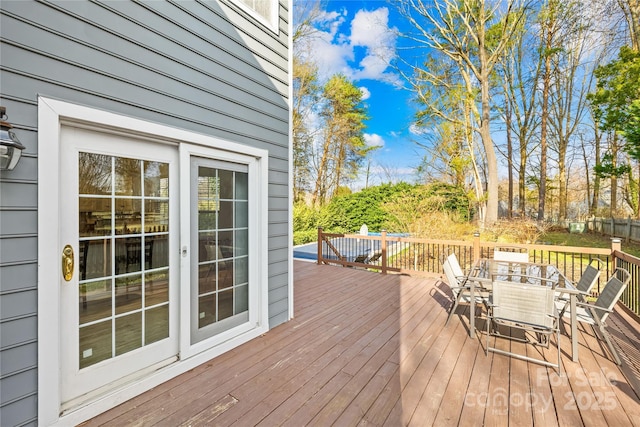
(257, 220)
(85, 384)
(51, 113)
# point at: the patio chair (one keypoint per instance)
(460, 285)
(596, 314)
(526, 307)
(587, 281)
(361, 259)
(510, 254)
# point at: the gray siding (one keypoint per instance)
(205, 66)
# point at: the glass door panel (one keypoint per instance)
(123, 224)
(220, 268)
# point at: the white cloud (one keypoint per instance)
(371, 31)
(331, 57)
(334, 48)
(368, 28)
(419, 130)
(415, 129)
(366, 93)
(373, 140)
(331, 21)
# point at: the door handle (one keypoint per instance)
(67, 262)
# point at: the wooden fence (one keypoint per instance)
(406, 255)
(627, 229)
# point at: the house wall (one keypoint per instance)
(204, 66)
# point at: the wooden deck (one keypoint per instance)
(372, 349)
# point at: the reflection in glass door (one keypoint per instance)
(123, 286)
(220, 268)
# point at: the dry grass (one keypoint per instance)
(515, 231)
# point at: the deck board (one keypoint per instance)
(372, 349)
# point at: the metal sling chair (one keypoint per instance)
(510, 254)
(587, 281)
(528, 307)
(596, 314)
(459, 284)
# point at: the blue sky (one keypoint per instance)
(357, 38)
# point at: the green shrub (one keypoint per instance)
(428, 211)
(398, 207)
(349, 212)
(302, 237)
(304, 217)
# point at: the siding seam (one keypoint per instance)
(23, 316)
(15, 263)
(31, 102)
(17, 399)
(30, 421)
(18, 181)
(17, 291)
(20, 344)
(18, 372)
(19, 209)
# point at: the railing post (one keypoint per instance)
(383, 249)
(616, 245)
(319, 257)
(476, 246)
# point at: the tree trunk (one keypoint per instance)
(638, 189)
(562, 186)
(522, 178)
(509, 159)
(319, 192)
(544, 118)
(485, 130)
(593, 208)
(631, 9)
(614, 179)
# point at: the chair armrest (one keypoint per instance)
(587, 305)
(462, 280)
(515, 273)
(479, 284)
(562, 291)
(474, 268)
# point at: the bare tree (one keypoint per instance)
(571, 80)
(305, 90)
(549, 29)
(460, 30)
(518, 74)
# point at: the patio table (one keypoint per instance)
(489, 270)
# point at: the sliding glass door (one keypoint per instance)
(220, 247)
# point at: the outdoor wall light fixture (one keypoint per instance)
(10, 146)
